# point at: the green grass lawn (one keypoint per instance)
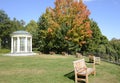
(51, 69)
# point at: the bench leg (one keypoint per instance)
(75, 78)
(86, 78)
(94, 73)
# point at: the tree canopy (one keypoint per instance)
(32, 27)
(7, 26)
(67, 25)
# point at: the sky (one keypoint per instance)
(105, 12)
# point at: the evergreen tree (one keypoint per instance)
(98, 43)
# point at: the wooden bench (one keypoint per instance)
(94, 59)
(97, 60)
(78, 55)
(51, 52)
(64, 54)
(80, 69)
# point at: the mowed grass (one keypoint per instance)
(51, 69)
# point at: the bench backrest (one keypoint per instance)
(79, 64)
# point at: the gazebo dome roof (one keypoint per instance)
(21, 32)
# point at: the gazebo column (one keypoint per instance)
(18, 44)
(30, 44)
(26, 44)
(11, 44)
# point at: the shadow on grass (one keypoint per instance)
(71, 76)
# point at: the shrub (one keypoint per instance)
(4, 50)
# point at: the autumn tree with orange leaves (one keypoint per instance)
(68, 22)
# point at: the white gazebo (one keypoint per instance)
(21, 43)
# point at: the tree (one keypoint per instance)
(22, 22)
(67, 23)
(115, 44)
(17, 25)
(32, 27)
(98, 43)
(75, 15)
(5, 26)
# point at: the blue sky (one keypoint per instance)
(105, 12)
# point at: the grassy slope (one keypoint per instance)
(50, 69)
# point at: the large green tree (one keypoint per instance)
(65, 26)
(5, 26)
